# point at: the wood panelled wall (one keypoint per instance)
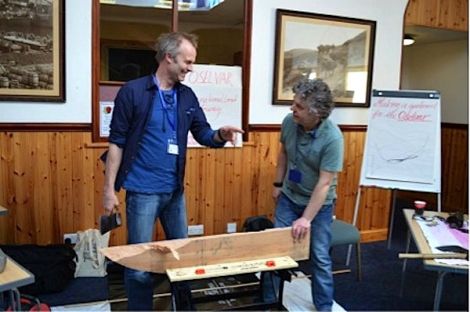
(51, 183)
(445, 14)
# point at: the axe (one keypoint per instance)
(108, 223)
(456, 252)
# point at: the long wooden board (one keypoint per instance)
(159, 256)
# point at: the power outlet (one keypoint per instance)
(231, 227)
(194, 230)
(70, 238)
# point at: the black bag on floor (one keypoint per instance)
(53, 266)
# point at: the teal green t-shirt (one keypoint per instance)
(310, 152)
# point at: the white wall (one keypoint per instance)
(77, 108)
(441, 66)
(386, 74)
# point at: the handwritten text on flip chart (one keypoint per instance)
(402, 111)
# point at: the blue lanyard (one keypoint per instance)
(165, 109)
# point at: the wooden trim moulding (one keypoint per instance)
(374, 235)
(345, 128)
(276, 127)
(44, 127)
(246, 68)
(449, 125)
(95, 69)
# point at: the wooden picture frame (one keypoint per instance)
(32, 54)
(336, 49)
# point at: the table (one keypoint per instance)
(11, 278)
(423, 247)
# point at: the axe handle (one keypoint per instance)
(432, 256)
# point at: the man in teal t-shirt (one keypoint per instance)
(310, 157)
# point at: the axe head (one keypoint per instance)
(108, 223)
(3, 261)
(453, 248)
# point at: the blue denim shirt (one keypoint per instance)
(132, 111)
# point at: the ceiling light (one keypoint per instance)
(408, 40)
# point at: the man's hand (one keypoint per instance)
(110, 202)
(229, 133)
(300, 228)
(276, 193)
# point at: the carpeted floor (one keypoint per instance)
(380, 285)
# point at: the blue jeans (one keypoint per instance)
(320, 240)
(142, 212)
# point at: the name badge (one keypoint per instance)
(295, 175)
(172, 147)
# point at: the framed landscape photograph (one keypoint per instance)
(336, 49)
(32, 66)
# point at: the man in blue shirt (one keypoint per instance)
(309, 159)
(147, 152)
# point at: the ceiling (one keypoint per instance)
(426, 35)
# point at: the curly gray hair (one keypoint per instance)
(317, 95)
(170, 43)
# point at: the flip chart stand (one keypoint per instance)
(403, 147)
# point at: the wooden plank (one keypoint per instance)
(229, 197)
(159, 256)
(25, 229)
(453, 14)
(208, 190)
(422, 12)
(43, 218)
(446, 14)
(219, 196)
(7, 189)
(63, 180)
(245, 201)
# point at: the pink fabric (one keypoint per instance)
(442, 235)
(461, 237)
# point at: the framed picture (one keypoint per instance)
(336, 49)
(32, 51)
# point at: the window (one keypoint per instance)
(125, 31)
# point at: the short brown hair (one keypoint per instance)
(170, 43)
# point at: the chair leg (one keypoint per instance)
(358, 261)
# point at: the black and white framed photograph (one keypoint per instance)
(338, 50)
(32, 66)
